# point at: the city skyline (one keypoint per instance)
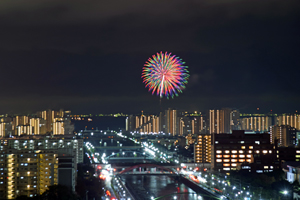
(240, 54)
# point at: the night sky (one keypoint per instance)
(88, 56)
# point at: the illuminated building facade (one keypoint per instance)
(231, 151)
(202, 149)
(172, 122)
(256, 123)
(145, 124)
(45, 122)
(285, 135)
(289, 120)
(41, 142)
(220, 121)
(28, 172)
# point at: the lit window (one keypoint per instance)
(233, 151)
(249, 160)
(243, 147)
(257, 151)
(219, 160)
(250, 147)
(241, 151)
(241, 160)
(297, 156)
(298, 151)
(219, 156)
(265, 151)
(227, 151)
(226, 169)
(226, 156)
(233, 164)
(226, 160)
(250, 151)
(218, 151)
(270, 151)
(233, 160)
(266, 167)
(242, 156)
(226, 165)
(233, 156)
(248, 156)
(257, 142)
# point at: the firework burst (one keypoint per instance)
(165, 74)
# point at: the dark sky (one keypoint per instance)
(87, 56)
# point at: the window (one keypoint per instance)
(243, 147)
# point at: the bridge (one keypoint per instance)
(151, 168)
(129, 155)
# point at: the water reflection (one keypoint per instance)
(160, 185)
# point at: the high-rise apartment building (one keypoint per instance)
(256, 123)
(172, 122)
(49, 122)
(202, 149)
(41, 142)
(145, 124)
(289, 120)
(27, 172)
(58, 126)
(285, 135)
(235, 123)
(220, 121)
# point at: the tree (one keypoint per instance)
(59, 192)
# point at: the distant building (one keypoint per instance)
(285, 135)
(171, 122)
(45, 122)
(145, 124)
(289, 120)
(256, 123)
(219, 121)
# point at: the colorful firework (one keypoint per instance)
(165, 74)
